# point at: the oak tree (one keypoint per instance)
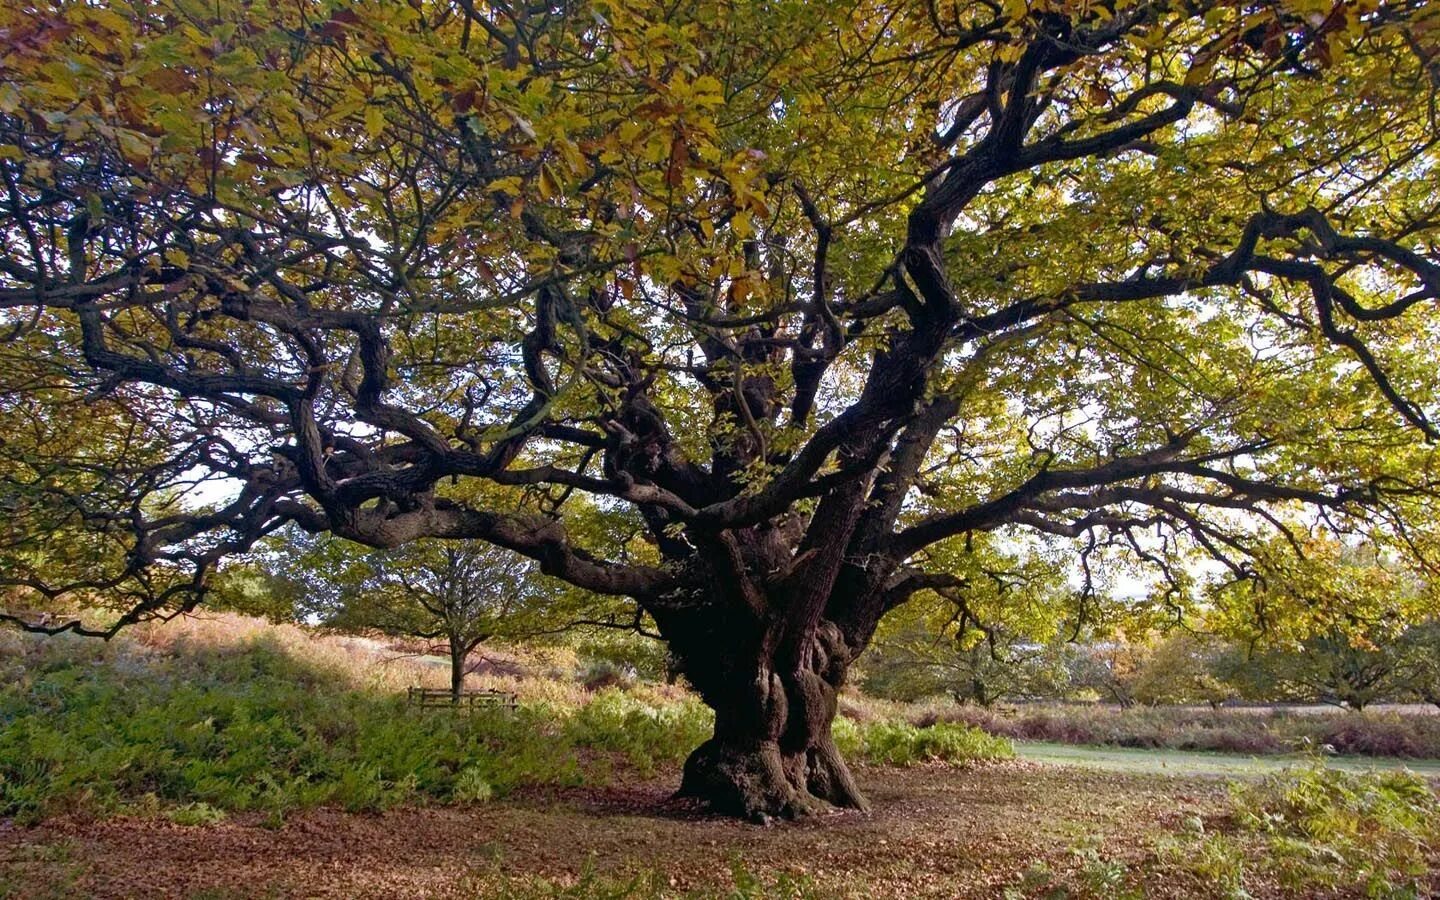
(1325, 622)
(457, 593)
(1419, 667)
(814, 296)
(1182, 667)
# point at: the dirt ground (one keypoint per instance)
(934, 832)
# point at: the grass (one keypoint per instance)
(218, 727)
(1017, 831)
(1189, 763)
(226, 717)
(1247, 731)
(202, 728)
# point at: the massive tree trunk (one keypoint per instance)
(772, 754)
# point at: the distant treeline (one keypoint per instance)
(1179, 667)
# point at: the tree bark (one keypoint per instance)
(772, 754)
(458, 654)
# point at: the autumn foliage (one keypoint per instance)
(763, 317)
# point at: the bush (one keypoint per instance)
(1382, 734)
(1318, 829)
(1324, 827)
(602, 674)
(265, 723)
(1239, 730)
(249, 727)
(849, 739)
(898, 744)
(645, 657)
(645, 734)
(471, 787)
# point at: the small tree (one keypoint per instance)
(253, 588)
(1108, 667)
(1325, 624)
(1339, 668)
(1419, 668)
(979, 667)
(1001, 667)
(460, 592)
(994, 633)
(1184, 668)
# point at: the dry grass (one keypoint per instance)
(536, 673)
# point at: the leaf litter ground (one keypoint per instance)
(1014, 829)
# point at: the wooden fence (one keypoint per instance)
(468, 700)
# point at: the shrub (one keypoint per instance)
(1239, 730)
(1378, 831)
(1318, 829)
(196, 814)
(1381, 734)
(645, 657)
(602, 674)
(645, 734)
(251, 728)
(898, 744)
(471, 787)
(232, 719)
(847, 736)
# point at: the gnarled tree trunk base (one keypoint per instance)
(772, 755)
(759, 782)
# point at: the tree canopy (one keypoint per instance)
(458, 594)
(811, 299)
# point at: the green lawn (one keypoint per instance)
(1189, 763)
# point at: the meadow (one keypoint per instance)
(1407, 732)
(226, 757)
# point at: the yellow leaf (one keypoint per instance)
(549, 186)
(134, 146)
(1201, 67)
(374, 120)
(742, 225)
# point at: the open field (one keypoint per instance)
(1004, 830)
(227, 758)
(935, 832)
(1189, 764)
(1402, 731)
